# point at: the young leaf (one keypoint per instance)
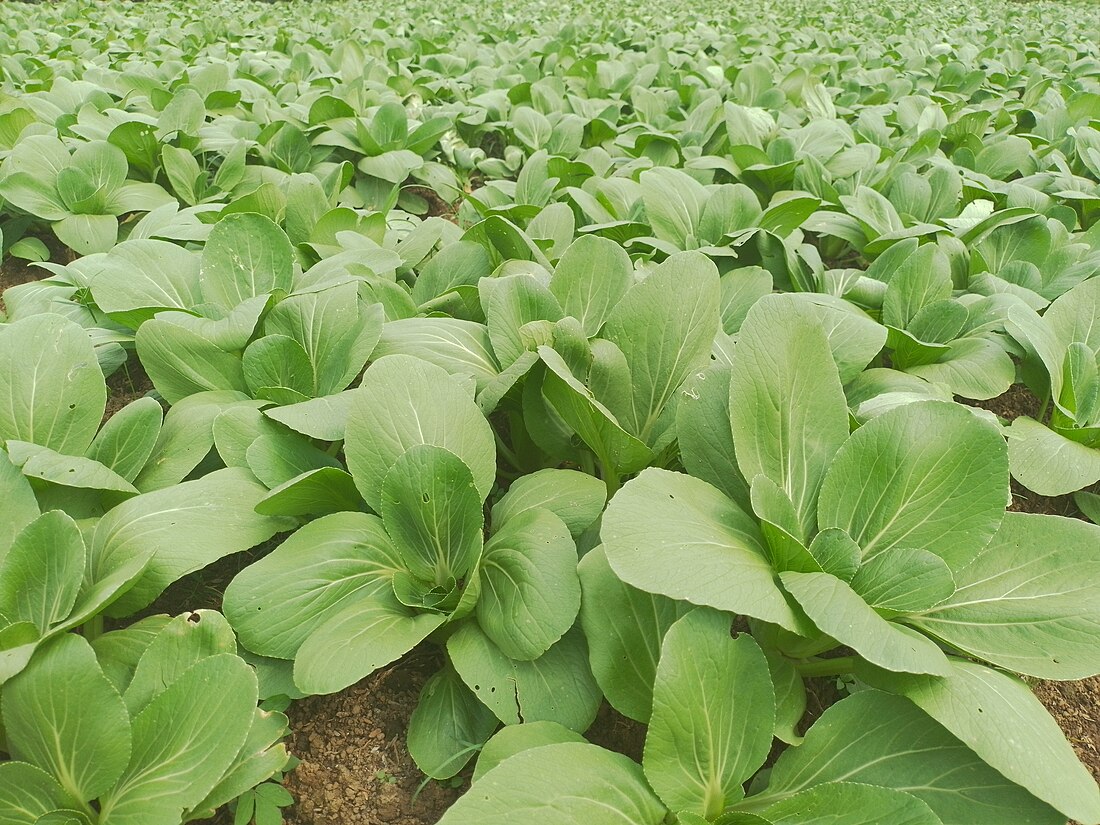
(402, 402)
(27, 793)
(42, 573)
(513, 739)
(184, 741)
(246, 255)
(530, 593)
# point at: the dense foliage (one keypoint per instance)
(565, 342)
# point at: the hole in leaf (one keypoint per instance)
(194, 618)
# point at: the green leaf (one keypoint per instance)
(665, 327)
(1048, 463)
(119, 651)
(50, 395)
(530, 593)
(276, 368)
(139, 277)
(591, 277)
(624, 627)
(402, 402)
(839, 612)
(619, 452)
(321, 418)
(713, 715)
(66, 470)
(576, 498)
(979, 706)
(904, 580)
(275, 603)
(972, 367)
(246, 255)
(590, 786)
(433, 513)
(875, 738)
(923, 278)
(513, 739)
(460, 347)
(674, 204)
(18, 642)
(186, 437)
(215, 513)
(45, 712)
(313, 493)
(355, 641)
(837, 554)
(848, 803)
(448, 725)
(27, 793)
(126, 441)
(1030, 602)
(556, 687)
(184, 741)
(675, 535)
(904, 454)
(188, 638)
(42, 572)
(705, 436)
(87, 234)
(787, 406)
(336, 333)
(181, 362)
(20, 505)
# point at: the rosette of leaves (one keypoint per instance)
(892, 540)
(872, 757)
(175, 731)
(351, 592)
(957, 341)
(93, 514)
(81, 193)
(1060, 452)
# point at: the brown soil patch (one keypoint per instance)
(127, 384)
(355, 768)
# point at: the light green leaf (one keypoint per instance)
(87, 234)
(576, 498)
(1048, 463)
(42, 572)
(184, 741)
(402, 402)
(665, 326)
(787, 406)
(275, 603)
(705, 436)
(246, 255)
(875, 738)
(447, 726)
(556, 687)
(591, 277)
(181, 362)
(848, 803)
(623, 652)
(53, 395)
(713, 715)
(934, 477)
(215, 513)
(66, 470)
(530, 593)
(839, 612)
(313, 493)
(513, 739)
(20, 505)
(27, 793)
(138, 277)
(905, 580)
(589, 786)
(1030, 602)
(356, 640)
(128, 438)
(433, 513)
(997, 716)
(45, 711)
(322, 418)
(675, 535)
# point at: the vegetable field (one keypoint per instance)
(549, 413)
